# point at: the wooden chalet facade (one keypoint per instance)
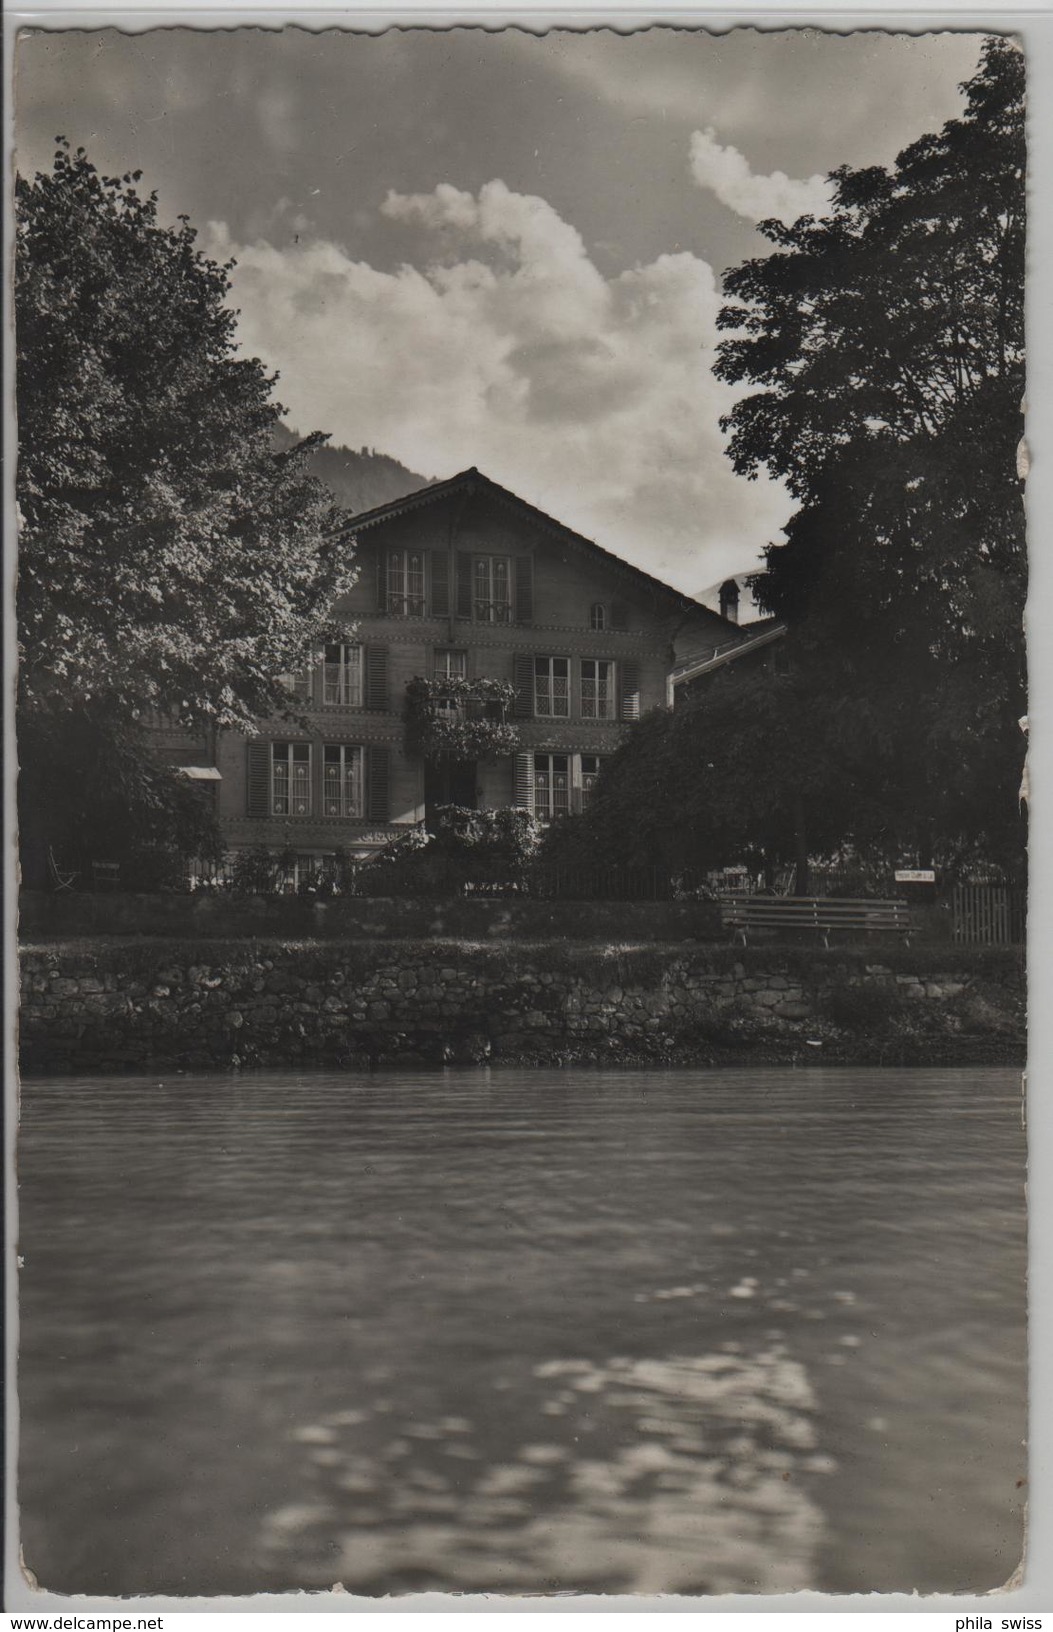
(461, 581)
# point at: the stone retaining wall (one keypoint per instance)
(126, 1004)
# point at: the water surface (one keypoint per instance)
(524, 1331)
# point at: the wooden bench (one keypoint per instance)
(742, 913)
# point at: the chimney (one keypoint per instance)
(729, 600)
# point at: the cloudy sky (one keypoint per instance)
(500, 249)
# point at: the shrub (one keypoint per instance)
(464, 850)
(260, 871)
(154, 868)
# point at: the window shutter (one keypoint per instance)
(258, 779)
(382, 581)
(576, 801)
(523, 680)
(524, 589)
(440, 584)
(376, 689)
(619, 615)
(378, 779)
(464, 584)
(523, 787)
(629, 678)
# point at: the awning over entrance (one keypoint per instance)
(199, 773)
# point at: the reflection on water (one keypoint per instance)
(690, 1332)
(665, 1476)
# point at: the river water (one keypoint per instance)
(524, 1331)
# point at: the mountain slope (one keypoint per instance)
(358, 480)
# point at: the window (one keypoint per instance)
(590, 770)
(342, 676)
(405, 583)
(597, 689)
(597, 615)
(300, 684)
(451, 664)
(290, 778)
(551, 786)
(552, 688)
(342, 780)
(492, 589)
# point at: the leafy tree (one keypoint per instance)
(886, 348)
(172, 559)
(883, 351)
(723, 779)
(93, 789)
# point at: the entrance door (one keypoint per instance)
(450, 785)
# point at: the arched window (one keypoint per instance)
(597, 615)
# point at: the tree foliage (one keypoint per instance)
(881, 355)
(170, 557)
(885, 346)
(173, 559)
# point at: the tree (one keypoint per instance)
(172, 558)
(883, 349)
(722, 780)
(885, 345)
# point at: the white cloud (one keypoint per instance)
(726, 172)
(592, 397)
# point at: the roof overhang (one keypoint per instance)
(198, 773)
(706, 662)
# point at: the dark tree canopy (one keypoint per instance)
(883, 351)
(170, 557)
(897, 317)
(886, 348)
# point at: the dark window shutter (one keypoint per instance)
(524, 589)
(619, 615)
(258, 780)
(440, 584)
(464, 584)
(378, 780)
(523, 680)
(382, 582)
(523, 785)
(376, 677)
(629, 686)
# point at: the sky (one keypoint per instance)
(496, 248)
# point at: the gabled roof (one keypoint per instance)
(752, 638)
(473, 481)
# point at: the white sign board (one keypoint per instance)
(915, 875)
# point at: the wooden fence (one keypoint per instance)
(989, 914)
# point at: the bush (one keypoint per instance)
(260, 872)
(465, 850)
(152, 869)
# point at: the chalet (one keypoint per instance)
(481, 609)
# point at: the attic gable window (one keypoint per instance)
(405, 583)
(597, 616)
(492, 589)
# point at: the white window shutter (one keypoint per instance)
(523, 795)
(629, 682)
